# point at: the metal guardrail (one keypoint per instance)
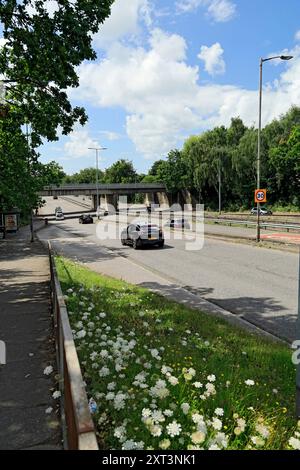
(78, 427)
(265, 225)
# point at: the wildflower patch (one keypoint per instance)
(162, 376)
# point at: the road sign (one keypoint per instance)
(260, 195)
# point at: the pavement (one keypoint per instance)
(26, 329)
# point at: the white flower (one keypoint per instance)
(104, 372)
(275, 391)
(217, 424)
(219, 411)
(165, 444)
(241, 424)
(221, 439)
(168, 413)
(198, 437)
(103, 353)
(165, 369)
(258, 441)
(102, 315)
(249, 382)
(196, 418)
(174, 429)
(211, 378)
(155, 430)
(81, 334)
(198, 384)
(111, 386)
(110, 396)
(120, 432)
(162, 393)
(262, 430)
(146, 413)
(154, 353)
(56, 394)
(294, 443)
(210, 388)
(48, 370)
(132, 445)
(185, 408)
(214, 447)
(158, 416)
(173, 380)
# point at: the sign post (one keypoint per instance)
(260, 197)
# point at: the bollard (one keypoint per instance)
(46, 221)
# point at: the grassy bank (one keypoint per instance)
(167, 377)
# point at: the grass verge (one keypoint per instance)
(163, 376)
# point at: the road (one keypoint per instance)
(68, 204)
(257, 284)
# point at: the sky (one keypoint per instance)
(168, 69)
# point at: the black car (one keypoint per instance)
(142, 234)
(86, 219)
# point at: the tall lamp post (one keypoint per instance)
(97, 149)
(281, 57)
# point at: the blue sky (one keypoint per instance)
(167, 69)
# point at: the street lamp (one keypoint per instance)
(281, 57)
(97, 149)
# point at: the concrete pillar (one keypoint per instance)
(149, 199)
(163, 200)
(111, 200)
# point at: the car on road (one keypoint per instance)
(59, 215)
(178, 223)
(100, 212)
(142, 234)
(262, 211)
(86, 219)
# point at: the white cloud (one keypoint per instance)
(218, 10)
(110, 135)
(221, 10)
(165, 101)
(213, 59)
(123, 21)
(78, 144)
(297, 36)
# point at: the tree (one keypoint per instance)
(285, 163)
(87, 175)
(121, 171)
(39, 60)
(40, 57)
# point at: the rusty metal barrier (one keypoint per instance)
(78, 427)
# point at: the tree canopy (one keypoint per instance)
(39, 56)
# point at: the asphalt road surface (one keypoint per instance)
(256, 283)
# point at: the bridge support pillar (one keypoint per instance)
(149, 199)
(111, 200)
(163, 200)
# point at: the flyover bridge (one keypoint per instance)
(109, 193)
